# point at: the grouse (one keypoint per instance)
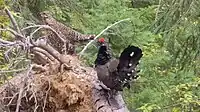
(116, 74)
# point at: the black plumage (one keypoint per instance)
(117, 73)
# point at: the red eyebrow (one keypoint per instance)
(101, 40)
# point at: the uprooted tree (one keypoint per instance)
(53, 80)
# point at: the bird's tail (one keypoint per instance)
(128, 61)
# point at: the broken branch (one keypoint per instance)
(45, 27)
(81, 53)
(16, 27)
(14, 33)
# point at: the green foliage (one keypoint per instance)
(185, 96)
(28, 11)
(4, 21)
(178, 22)
(170, 51)
(167, 31)
(143, 3)
(129, 32)
(15, 61)
(2, 4)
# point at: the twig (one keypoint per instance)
(13, 21)
(35, 110)
(158, 9)
(37, 49)
(6, 42)
(31, 35)
(45, 100)
(14, 33)
(6, 54)
(8, 71)
(12, 99)
(42, 43)
(22, 89)
(40, 58)
(43, 26)
(19, 97)
(46, 27)
(81, 53)
(33, 26)
(35, 98)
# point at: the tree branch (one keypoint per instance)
(45, 27)
(6, 42)
(14, 33)
(22, 89)
(16, 27)
(81, 53)
(42, 43)
(37, 49)
(39, 58)
(9, 71)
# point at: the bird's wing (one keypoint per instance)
(112, 65)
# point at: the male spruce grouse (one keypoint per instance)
(116, 74)
(67, 33)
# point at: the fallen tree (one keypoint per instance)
(52, 82)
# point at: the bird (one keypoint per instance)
(71, 36)
(104, 52)
(114, 73)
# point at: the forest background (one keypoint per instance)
(166, 30)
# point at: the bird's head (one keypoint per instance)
(101, 41)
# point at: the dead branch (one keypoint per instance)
(16, 34)
(45, 53)
(22, 89)
(19, 97)
(9, 43)
(81, 53)
(12, 98)
(39, 58)
(42, 43)
(16, 27)
(45, 27)
(46, 94)
(7, 52)
(10, 71)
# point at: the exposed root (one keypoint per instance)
(69, 91)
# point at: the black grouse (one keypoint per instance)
(116, 74)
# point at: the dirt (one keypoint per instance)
(69, 91)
